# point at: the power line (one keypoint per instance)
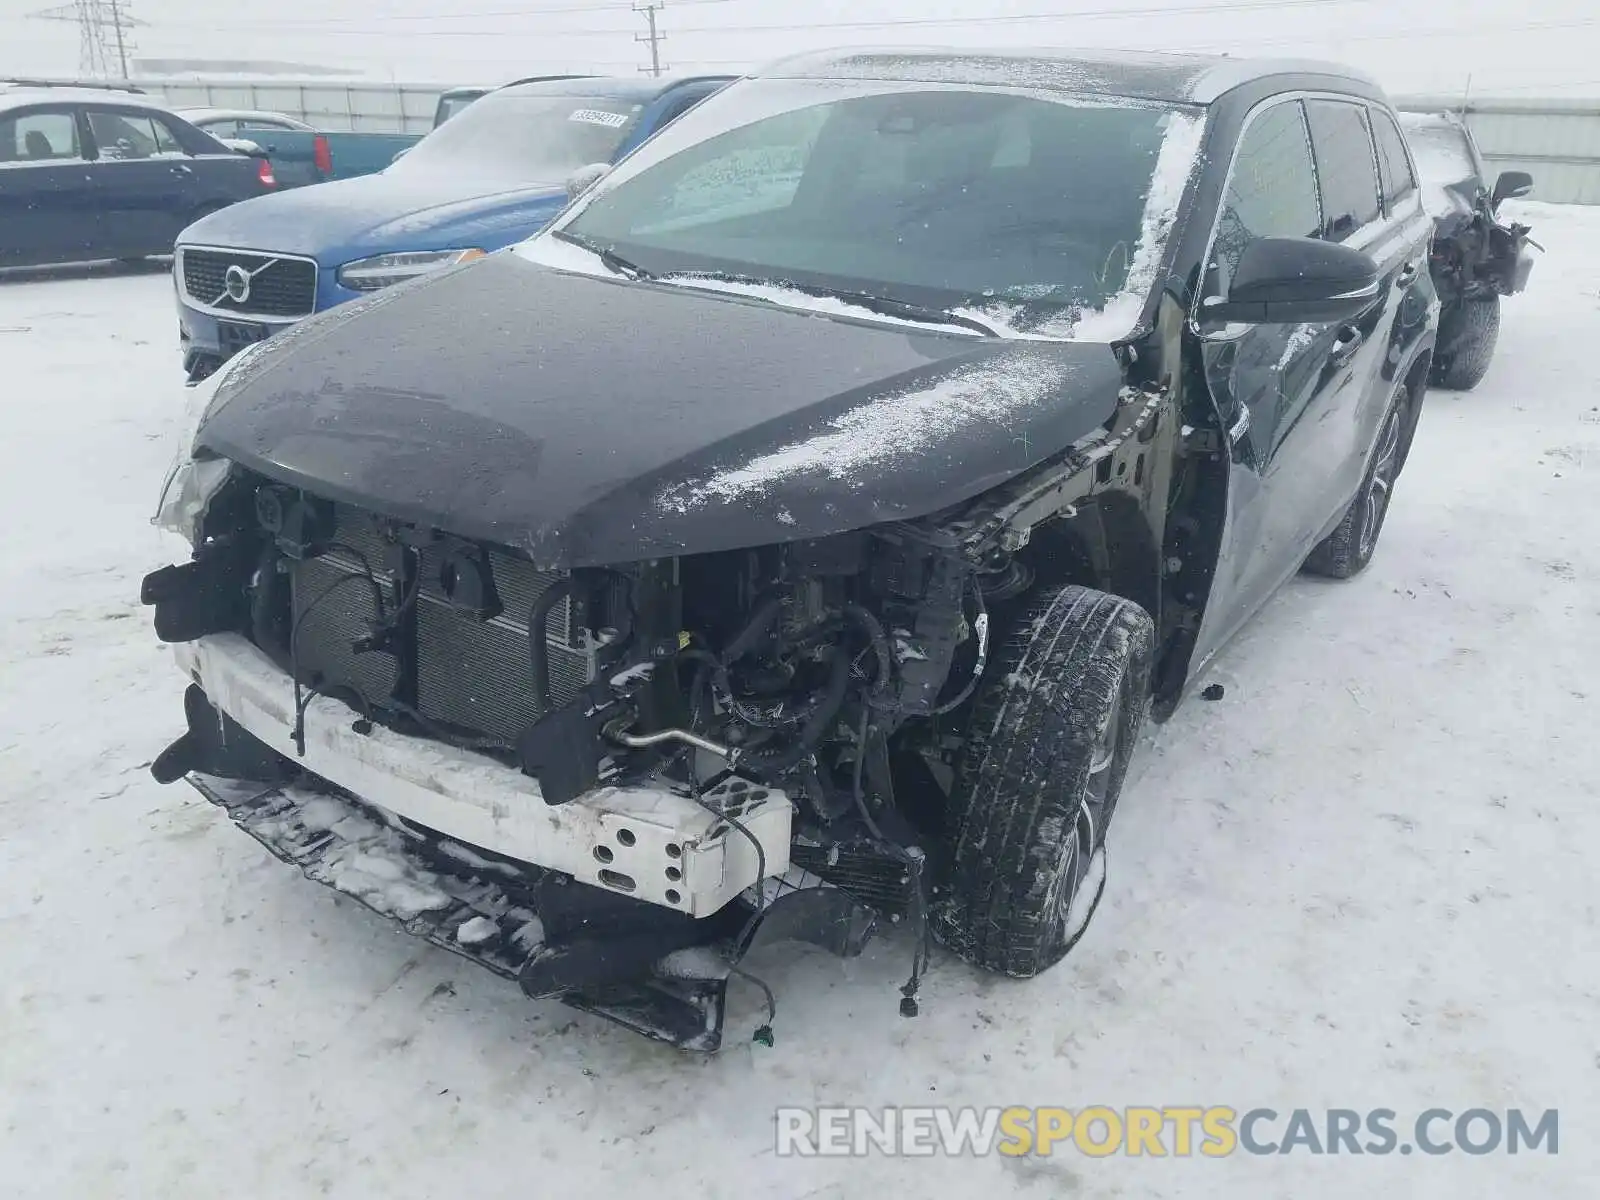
(484, 14)
(1020, 18)
(888, 22)
(1438, 31)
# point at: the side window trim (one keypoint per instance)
(1405, 200)
(1250, 118)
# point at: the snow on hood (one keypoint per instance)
(373, 212)
(890, 428)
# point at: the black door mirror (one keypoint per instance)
(1510, 185)
(1283, 281)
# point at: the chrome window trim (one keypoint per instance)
(233, 314)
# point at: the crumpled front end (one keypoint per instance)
(656, 754)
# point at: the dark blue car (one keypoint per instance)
(91, 174)
(490, 177)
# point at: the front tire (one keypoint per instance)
(1468, 333)
(1052, 730)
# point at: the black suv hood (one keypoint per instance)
(591, 421)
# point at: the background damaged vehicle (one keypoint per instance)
(1476, 257)
(794, 538)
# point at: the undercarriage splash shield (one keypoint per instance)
(665, 980)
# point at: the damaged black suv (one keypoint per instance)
(795, 537)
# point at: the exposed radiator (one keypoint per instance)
(471, 674)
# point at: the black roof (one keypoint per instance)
(1145, 75)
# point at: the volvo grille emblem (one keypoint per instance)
(237, 282)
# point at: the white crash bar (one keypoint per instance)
(649, 844)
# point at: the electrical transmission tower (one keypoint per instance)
(655, 37)
(104, 34)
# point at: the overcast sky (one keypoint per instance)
(1529, 47)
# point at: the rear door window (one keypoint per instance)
(1347, 168)
(1272, 188)
(42, 135)
(121, 135)
(1399, 181)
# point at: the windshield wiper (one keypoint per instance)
(904, 309)
(887, 306)
(609, 258)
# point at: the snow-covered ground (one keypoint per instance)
(1364, 878)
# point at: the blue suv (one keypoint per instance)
(492, 176)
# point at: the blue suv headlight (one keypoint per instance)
(382, 270)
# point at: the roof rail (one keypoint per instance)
(545, 79)
(97, 84)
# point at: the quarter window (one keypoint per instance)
(1346, 166)
(1393, 163)
(1272, 189)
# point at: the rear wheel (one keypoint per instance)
(1349, 548)
(1468, 332)
(1052, 731)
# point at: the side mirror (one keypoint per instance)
(1510, 185)
(584, 178)
(1283, 281)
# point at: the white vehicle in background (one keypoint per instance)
(1475, 258)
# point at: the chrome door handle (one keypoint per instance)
(182, 169)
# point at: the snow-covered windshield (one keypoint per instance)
(1038, 213)
(1440, 147)
(535, 137)
(1444, 159)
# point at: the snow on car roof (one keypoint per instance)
(196, 115)
(27, 96)
(1150, 75)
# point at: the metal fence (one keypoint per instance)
(369, 107)
(1556, 141)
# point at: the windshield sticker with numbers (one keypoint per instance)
(597, 116)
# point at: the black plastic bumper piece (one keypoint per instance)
(205, 596)
(215, 744)
(559, 939)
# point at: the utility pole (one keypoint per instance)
(655, 37)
